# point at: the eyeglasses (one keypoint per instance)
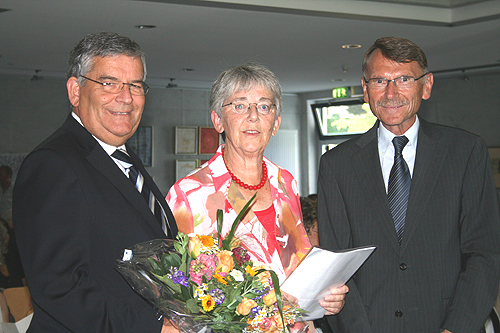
(242, 107)
(113, 87)
(401, 82)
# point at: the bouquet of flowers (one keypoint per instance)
(208, 283)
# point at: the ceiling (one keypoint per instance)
(301, 40)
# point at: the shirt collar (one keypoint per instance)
(385, 136)
(109, 149)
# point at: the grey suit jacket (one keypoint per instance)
(446, 272)
(74, 213)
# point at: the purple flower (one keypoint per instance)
(255, 312)
(217, 295)
(260, 293)
(178, 277)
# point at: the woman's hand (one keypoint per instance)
(334, 302)
(168, 327)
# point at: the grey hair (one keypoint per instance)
(101, 44)
(397, 49)
(244, 77)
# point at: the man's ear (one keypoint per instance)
(366, 98)
(217, 122)
(429, 82)
(73, 88)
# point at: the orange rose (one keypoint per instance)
(194, 246)
(226, 263)
(270, 298)
(277, 322)
(246, 306)
(264, 276)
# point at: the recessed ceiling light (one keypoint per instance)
(145, 26)
(188, 69)
(351, 46)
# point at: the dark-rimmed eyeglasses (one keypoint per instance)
(113, 87)
(401, 82)
(242, 107)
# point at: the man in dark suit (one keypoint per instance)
(442, 273)
(75, 208)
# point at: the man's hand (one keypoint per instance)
(334, 302)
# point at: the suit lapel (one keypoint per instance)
(100, 160)
(428, 163)
(366, 163)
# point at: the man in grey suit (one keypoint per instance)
(442, 273)
(75, 206)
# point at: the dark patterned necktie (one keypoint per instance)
(138, 180)
(399, 186)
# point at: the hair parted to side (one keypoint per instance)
(102, 44)
(397, 49)
(242, 78)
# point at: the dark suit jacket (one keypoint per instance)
(445, 274)
(74, 213)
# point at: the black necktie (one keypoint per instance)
(138, 180)
(399, 186)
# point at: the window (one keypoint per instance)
(340, 118)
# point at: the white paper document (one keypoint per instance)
(320, 271)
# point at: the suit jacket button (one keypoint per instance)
(398, 314)
(403, 266)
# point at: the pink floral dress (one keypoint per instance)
(195, 199)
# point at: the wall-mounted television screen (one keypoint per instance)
(342, 117)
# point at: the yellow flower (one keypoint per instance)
(226, 263)
(245, 306)
(207, 241)
(250, 270)
(194, 246)
(219, 277)
(270, 298)
(208, 303)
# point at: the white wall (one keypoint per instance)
(31, 110)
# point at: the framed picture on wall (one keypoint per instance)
(142, 144)
(209, 140)
(185, 140)
(495, 162)
(183, 167)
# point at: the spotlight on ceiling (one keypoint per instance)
(145, 26)
(351, 46)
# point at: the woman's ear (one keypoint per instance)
(276, 125)
(216, 120)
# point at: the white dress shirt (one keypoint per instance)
(109, 149)
(386, 149)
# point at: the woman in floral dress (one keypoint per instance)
(246, 107)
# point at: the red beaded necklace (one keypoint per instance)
(241, 183)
